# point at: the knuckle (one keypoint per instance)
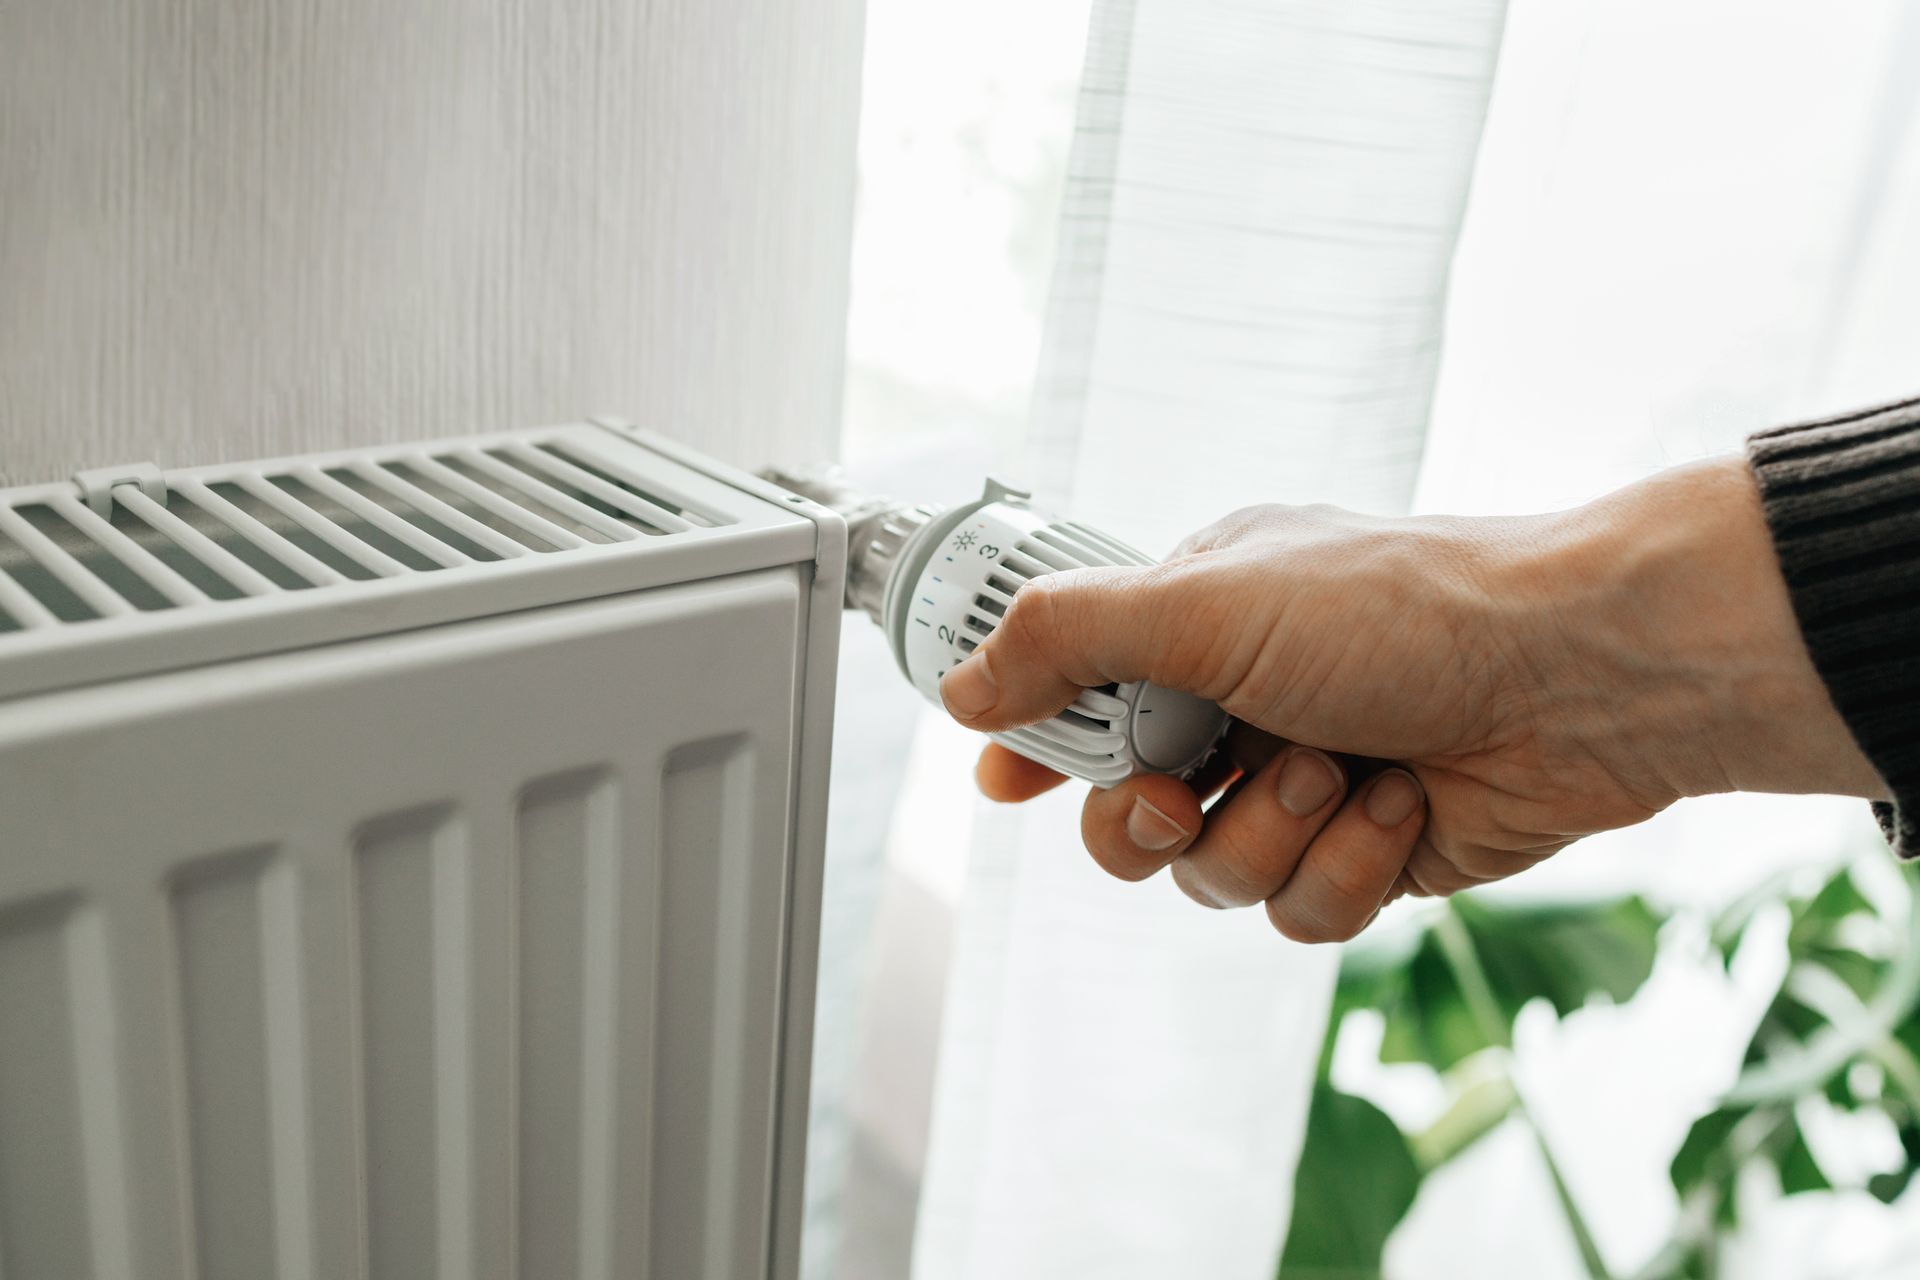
(1476, 863)
(1233, 863)
(1029, 620)
(1236, 526)
(1347, 879)
(1220, 881)
(1461, 864)
(1045, 608)
(1437, 878)
(1189, 620)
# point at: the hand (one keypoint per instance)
(1429, 704)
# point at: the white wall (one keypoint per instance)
(233, 229)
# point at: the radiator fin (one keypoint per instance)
(568, 863)
(237, 939)
(702, 997)
(410, 894)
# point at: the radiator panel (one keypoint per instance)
(41, 1161)
(455, 952)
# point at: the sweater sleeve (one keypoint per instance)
(1842, 498)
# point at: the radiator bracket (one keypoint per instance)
(97, 486)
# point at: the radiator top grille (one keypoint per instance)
(314, 531)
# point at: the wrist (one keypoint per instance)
(1677, 643)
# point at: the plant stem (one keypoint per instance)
(1463, 961)
(1456, 946)
(1576, 1221)
(1483, 1099)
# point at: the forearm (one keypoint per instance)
(1679, 656)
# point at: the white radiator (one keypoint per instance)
(409, 864)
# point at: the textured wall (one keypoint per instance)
(238, 229)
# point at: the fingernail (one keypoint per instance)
(968, 689)
(1307, 781)
(1151, 829)
(1394, 797)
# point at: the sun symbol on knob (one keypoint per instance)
(964, 540)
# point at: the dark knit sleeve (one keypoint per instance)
(1842, 497)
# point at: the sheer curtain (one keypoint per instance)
(1262, 203)
(1688, 222)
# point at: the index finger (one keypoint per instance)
(1009, 777)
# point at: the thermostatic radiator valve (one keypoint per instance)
(938, 581)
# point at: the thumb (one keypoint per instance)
(1068, 631)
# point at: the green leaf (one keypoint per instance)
(1907, 1033)
(1565, 954)
(1888, 1187)
(1448, 1031)
(1786, 1019)
(1411, 985)
(1730, 927)
(1696, 1161)
(1404, 1040)
(1375, 965)
(1863, 975)
(1812, 918)
(1356, 1180)
(1816, 919)
(1373, 975)
(1799, 1171)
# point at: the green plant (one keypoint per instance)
(1843, 1024)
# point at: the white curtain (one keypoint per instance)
(1261, 207)
(1688, 222)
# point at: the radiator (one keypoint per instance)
(409, 863)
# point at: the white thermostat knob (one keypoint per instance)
(939, 581)
(952, 579)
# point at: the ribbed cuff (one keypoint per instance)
(1842, 497)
